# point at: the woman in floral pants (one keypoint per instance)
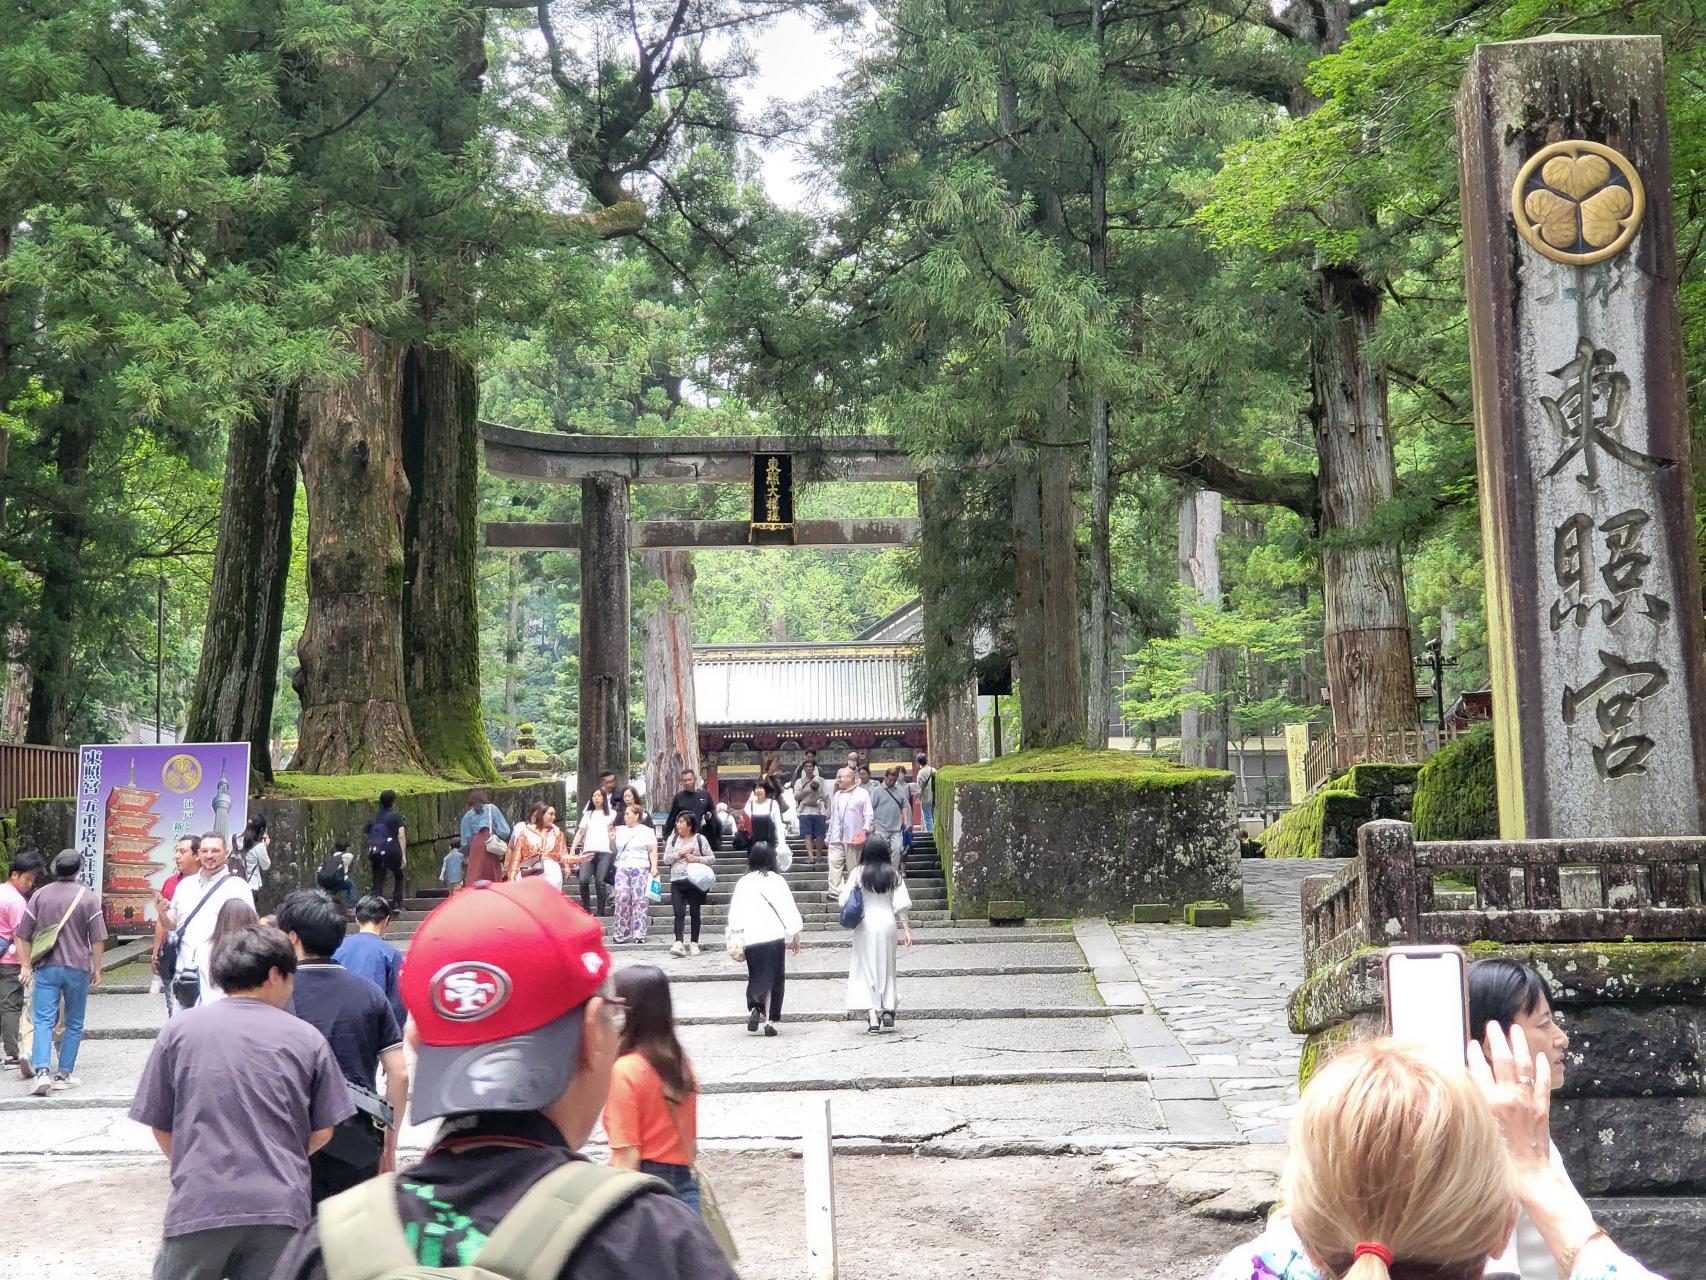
(636, 867)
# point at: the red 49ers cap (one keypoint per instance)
(494, 981)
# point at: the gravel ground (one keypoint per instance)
(897, 1216)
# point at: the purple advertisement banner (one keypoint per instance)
(133, 804)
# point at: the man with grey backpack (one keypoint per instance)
(507, 991)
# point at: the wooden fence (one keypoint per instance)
(35, 771)
(1528, 891)
(1332, 753)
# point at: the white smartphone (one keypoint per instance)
(1427, 1001)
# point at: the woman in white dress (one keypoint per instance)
(883, 926)
(764, 818)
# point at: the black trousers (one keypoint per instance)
(595, 872)
(388, 864)
(686, 897)
(766, 976)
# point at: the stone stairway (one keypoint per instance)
(924, 881)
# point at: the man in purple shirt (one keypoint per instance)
(239, 1094)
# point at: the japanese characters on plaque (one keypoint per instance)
(772, 499)
(1580, 203)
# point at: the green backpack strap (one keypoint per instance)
(361, 1232)
(538, 1236)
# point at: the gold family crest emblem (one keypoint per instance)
(1578, 202)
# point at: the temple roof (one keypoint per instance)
(815, 684)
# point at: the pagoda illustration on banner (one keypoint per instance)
(130, 851)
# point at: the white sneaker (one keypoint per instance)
(42, 1084)
(679, 949)
(62, 1082)
(693, 948)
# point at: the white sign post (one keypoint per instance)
(818, 1150)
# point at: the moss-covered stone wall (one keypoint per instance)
(1457, 791)
(305, 825)
(1072, 833)
(1325, 825)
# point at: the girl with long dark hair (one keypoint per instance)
(871, 978)
(763, 917)
(652, 1114)
(591, 853)
(252, 851)
(233, 915)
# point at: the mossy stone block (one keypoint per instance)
(1007, 910)
(1208, 915)
(1151, 913)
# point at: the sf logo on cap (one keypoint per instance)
(469, 990)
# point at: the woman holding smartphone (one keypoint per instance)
(1504, 994)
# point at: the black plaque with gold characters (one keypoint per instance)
(772, 500)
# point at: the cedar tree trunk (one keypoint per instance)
(238, 677)
(355, 713)
(666, 638)
(1202, 730)
(1366, 638)
(53, 632)
(441, 621)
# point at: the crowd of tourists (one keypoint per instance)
(509, 1022)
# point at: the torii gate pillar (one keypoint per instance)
(604, 656)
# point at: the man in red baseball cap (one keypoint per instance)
(515, 1043)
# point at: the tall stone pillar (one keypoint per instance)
(1587, 504)
(604, 633)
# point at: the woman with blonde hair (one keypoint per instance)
(1400, 1168)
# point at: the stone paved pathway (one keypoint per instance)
(1221, 996)
(1094, 1037)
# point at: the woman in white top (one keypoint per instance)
(763, 916)
(764, 818)
(592, 867)
(636, 866)
(688, 856)
(871, 980)
(253, 851)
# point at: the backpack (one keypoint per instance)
(333, 869)
(362, 1235)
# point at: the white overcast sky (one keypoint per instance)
(794, 62)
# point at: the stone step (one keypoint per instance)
(922, 901)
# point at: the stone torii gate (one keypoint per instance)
(606, 466)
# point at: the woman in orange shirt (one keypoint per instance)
(652, 1115)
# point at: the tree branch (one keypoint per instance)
(1297, 491)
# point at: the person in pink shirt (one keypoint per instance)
(14, 896)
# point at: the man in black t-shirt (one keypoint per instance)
(356, 1019)
(387, 847)
(695, 800)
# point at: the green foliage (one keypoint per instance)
(1457, 791)
(357, 787)
(1325, 824)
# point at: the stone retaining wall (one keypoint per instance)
(1617, 930)
(1075, 834)
(303, 830)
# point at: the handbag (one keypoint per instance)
(48, 938)
(654, 890)
(701, 876)
(709, 1210)
(853, 910)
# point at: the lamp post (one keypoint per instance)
(1435, 661)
